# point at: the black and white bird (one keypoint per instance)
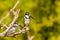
(27, 19)
(13, 28)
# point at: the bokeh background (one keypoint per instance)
(46, 22)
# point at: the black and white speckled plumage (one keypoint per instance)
(26, 19)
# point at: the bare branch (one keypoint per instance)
(24, 30)
(11, 24)
(10, 11)
(15, 4)
(15, 17)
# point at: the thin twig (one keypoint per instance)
(10, 11)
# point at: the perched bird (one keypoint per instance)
(27, 19)
(13, 28)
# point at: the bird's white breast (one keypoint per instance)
(26, 19)
(12, 29)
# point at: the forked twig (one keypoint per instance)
(10, 11)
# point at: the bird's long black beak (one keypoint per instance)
(31, 17)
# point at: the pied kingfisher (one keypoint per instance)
(13, 28)
(27, 19)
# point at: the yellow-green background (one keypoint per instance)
(46, 22)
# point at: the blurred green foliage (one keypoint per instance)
(43, 26)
